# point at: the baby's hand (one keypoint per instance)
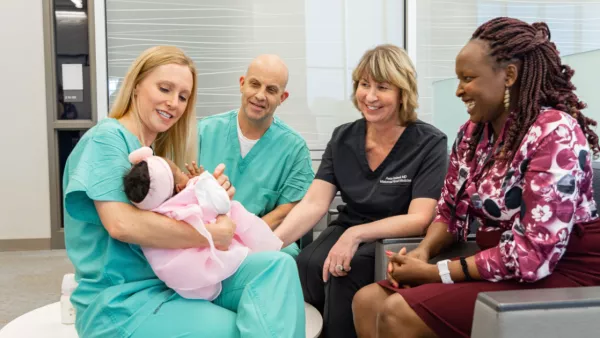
(194, 170)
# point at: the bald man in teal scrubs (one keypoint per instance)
(267, 162)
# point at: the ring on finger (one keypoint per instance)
(340, 267)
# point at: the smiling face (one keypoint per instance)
(481, 85)
(162, 97)
(263, 89)
(378, 101)
(384, 86)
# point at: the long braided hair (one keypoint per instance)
(544, 80)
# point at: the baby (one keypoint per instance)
(155, 183)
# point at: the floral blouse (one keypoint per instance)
(535, 199)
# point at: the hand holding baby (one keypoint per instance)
(222, 232)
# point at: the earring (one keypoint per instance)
(506, 100)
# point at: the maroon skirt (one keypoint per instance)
(448, 308)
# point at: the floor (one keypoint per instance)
(29, 280)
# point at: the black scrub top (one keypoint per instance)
(415, 168)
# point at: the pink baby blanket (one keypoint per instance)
(197, 273)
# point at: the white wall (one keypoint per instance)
(443, 29)
(320, 40)
(24, 188)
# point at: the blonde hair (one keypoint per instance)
(391, 64)
(179, 143)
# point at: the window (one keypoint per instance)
(442, 27)
(320, 40)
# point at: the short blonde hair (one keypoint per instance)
(391, 64)
(179, 143)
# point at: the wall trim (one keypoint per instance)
(27, 244)
(100, 57)
(410, 33)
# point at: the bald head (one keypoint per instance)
(270, 65)
(263, 90)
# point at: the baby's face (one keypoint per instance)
(181, 179)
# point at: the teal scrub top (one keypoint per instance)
(117, 287)
(277, 170)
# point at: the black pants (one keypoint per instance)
(334, 299)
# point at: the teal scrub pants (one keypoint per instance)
(292, 250)
(262, 299)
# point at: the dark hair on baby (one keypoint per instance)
(137, 182)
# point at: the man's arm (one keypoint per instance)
(276, 216)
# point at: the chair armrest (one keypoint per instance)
(332, 214)
(537, 312)
(467, 248)
(401, 240)
(391, 244)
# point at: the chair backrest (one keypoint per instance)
(596, 182)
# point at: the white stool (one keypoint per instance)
(314, 321)
(44, 322)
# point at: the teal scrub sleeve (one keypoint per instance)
(299, 179)
(97, 175)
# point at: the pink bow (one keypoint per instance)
(139, 155)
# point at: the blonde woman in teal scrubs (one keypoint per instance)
(119, 295)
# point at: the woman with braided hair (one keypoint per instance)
(520, 175)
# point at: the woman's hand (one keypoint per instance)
(390, 267)
(407, 270)
(222, 232)
(194, 170)
(341, 254)
(224, 180)
(418, 253)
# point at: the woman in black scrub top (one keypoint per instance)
(389, 167)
